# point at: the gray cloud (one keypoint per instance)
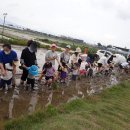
(92, 20)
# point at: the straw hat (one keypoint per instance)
(68, 46)
(78, 50)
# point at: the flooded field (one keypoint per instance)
(40, 56)
(19, 102)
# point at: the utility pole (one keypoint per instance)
(5, 14)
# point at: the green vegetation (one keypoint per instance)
(73, 45)
(109, 110)
(22, 42)
(14, 41)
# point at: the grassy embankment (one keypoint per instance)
(109, 110)
(23, 42)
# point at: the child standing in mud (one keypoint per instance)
(49, 73)
(75, 71)
(32, 73)
(50, 56)
(83, 64)
(63, 72)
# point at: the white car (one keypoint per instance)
(101, 53)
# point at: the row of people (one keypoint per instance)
(77, 64)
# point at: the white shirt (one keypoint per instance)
(74, 58)
(51, 54)
(83, 65)
(103, 60)
(9, 74)
(125, 65)
(75, 72)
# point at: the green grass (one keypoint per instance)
(109, 110)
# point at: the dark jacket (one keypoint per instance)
(28, 58)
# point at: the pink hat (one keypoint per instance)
(53, 45)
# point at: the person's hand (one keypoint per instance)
(62, 68)
(24, 66)
(55, 57)
(38, 66)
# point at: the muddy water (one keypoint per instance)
(19, 102)
(40, 55)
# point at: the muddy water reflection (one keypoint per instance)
(49, 99)
(33, 102)
(113, 80)
(11, 103)
(23, 102)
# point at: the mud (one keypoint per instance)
(19, 102)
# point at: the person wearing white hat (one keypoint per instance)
(76, 55)
(78, 49)
(65, 56)
(64, 60)
(51, 55)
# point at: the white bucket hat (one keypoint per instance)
(68, 46)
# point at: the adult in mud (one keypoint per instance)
(65, 56)
(8, 60)
(92, 58)
(102, 63)
(75, 57)
(28, 58)
(50, 58)
(51, 55)
(64, 60)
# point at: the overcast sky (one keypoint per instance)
(105, 21)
